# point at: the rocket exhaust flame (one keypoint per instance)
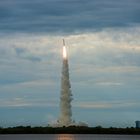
(64, 52)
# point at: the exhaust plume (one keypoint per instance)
(65, 118)
(66, 95)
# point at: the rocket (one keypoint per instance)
(63, 42)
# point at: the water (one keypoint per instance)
(68, 137)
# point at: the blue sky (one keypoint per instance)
(103, 42)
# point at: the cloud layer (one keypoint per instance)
(104, 72)
(67, 16)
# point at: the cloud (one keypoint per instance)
(22, 52)
(108, 55)
(120, 104)
(15, 102)
(19, 50)
(66, 16)
(18, 102)
(92, 105)
(104, 73)
(40, 82)
(106, 83)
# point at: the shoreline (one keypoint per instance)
(69, 130)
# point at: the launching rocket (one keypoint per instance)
(66, 96)
(65, 118)
(63, 42)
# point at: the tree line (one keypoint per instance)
(68, 130)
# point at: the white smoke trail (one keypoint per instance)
(66, 96)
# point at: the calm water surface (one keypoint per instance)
(69, 137)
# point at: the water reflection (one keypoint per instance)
(65, 137)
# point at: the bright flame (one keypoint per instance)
(64, 52)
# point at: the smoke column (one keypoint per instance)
(66, 96)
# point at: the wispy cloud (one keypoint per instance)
(25, 102)
(92, 105)
(121, 104)
(107, 83)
